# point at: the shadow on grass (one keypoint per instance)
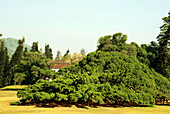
(163, 104)
(85, 107)
(10, 89)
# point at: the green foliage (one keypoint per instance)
(83, 51)
(16, 58)
(153, 55)
(163, 59)
(15, 103)
(59, 56)
(112, 43)
(66, 56)
(18, 78)
(12, 44)
(6, 67)
(48, 52)
(105, 78)
(25, 51)
(34, 47)
(32, 68)
(2, 62)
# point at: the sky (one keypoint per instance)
(77, 24)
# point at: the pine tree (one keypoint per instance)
(163, 59)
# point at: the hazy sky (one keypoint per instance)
(77, 24)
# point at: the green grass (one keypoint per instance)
(10, 96)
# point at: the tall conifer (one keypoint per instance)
(16, 58)
(48, 52)
(163, 60)
(34, 47)
(6, 67)
(2, 62)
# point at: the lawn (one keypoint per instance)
(7, 96)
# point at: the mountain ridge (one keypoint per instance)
(11, 44)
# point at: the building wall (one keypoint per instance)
(56, 70)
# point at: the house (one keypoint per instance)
(56, 65)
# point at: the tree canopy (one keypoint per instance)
(31, 68)
(101, 78)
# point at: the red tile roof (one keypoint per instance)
(58, 65)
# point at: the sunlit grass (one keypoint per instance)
(10, 96)
(13, 87)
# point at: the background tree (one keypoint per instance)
(83, 51)
(163, 63)
(104, 43)
(16, 58)
(66, 56)
(25, 51)
(34, 47)
(112, 43)
(2, 62)
(67, 52)
(32, 68)
(48, 52)
(76, 58)
(59, 56)
(119, 39)
(6, 67)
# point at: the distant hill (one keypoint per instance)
(11, 44)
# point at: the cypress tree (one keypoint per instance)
(2, 62)
(6, 67)
(50, 54)
(16, 58)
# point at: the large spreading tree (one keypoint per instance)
(101, 78)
